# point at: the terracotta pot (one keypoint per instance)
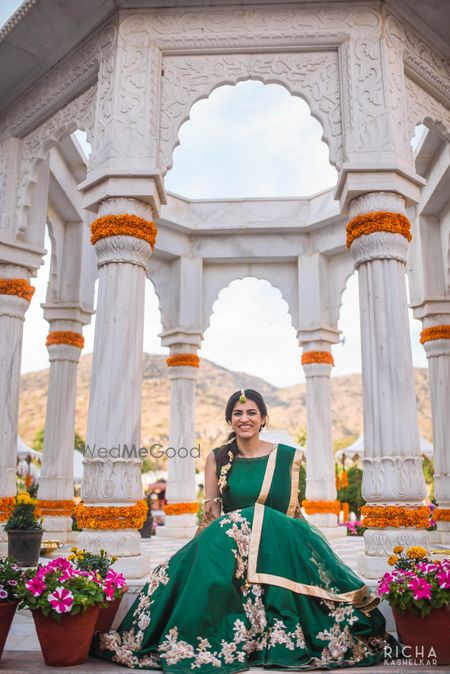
(66, 643)
(7, 610)
(424, 634)
(108, 613)
(24, 546)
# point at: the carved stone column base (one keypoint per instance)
(327, 523)
(182, 527)
(117, 542)
(3, 542)
(443, 529)
(334, 531)
(57, 528)
(379, 544)
(72, 537)
(134, 567)
(434, 537)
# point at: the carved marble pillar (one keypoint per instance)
(15, 295)
(181, 490)
(64, 343)
(393, 483)
(112, 488)
(321, 505)
(436, 339)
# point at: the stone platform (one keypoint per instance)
(22, 652)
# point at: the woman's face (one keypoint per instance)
(246, 419)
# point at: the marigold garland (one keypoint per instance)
(65, 337)
(124, 225)
(111, 517)
(321, 507)
(179, 359)
(310, 357)
(345, 511)
(6, 507)
(378, 221)
(188, 508)
(442, 515)
(17, 286)
(436, 332)
(57, 508)
(379, 517)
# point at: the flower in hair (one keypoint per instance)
(222, 481)
(242, 397)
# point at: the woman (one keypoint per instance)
(257, 586)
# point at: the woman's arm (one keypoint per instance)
(212, 503)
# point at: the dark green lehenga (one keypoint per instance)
(258, 587)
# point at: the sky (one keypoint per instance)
(248, 140)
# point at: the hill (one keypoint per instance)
(287, 406)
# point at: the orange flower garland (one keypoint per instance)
(345, 511)
(436, 332)
(111, 517)
(6, 507)
(17, 286)
(180, 359)
(378, 221)
(65, 337)
(62, 508)
(189, 508)
(124, 225)
(310, 357)
(321, 507)
(442, 515)
(380, 517)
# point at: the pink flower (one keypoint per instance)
(115, 579)
(443, 577)
(421, 589)
(109, 590)
(36, 586)
(384, 584)
(66, 574)
(3, 593)
(61, 600)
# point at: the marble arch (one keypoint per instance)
(369, 72)
(280, 277)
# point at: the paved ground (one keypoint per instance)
(22, 652)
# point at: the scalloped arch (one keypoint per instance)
(314, 77)
(79, 114)
(216, 281)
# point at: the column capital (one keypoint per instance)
(182, 340)
(62, 316)
(120, 183)
(18, 259)
(432, 312)
(355, 181)
(318, 339)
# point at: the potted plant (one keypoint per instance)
(418, 591)
(65, 603)
(114, 582)
(24, 529)
(10, 575)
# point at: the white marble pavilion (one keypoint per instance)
(127, 72)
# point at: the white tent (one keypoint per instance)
(23, 450)
(78, 467)
(280, 436)
(357, 447)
